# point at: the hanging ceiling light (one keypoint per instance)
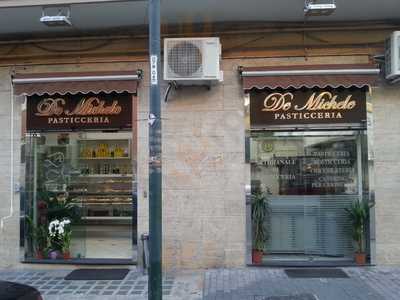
(319, 7)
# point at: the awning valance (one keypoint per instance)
(74, 83)
(309, 76)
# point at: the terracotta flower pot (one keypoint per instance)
(66, 255)
(360, 258)
(257, 256)
(39, 254)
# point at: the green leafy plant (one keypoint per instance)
(359, 215)
(60, 206)
(259, 213)
(67, 241)
(38, 235)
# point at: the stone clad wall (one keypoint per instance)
(9, 199)
(386, 111)
(204, 176)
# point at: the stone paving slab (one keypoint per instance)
(52, 285)
(367, 283)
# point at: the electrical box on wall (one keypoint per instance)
(392, 56)
(192, 61)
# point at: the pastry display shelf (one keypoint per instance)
(128, 218)
(104, 158)
(111, 193)
(106, 175)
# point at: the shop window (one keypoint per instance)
(310, 179)
(84, 180)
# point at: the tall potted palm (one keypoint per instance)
(359, 215)
(259, 213)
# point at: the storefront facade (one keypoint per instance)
(214, 151)
(78, 166)
(308, 144)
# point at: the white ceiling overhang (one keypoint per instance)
(20, 18)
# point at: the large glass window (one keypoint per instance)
(310, 179)
(79, 201)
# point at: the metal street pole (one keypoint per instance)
(155, 221)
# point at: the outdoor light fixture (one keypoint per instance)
(61, 18)
(319, 7)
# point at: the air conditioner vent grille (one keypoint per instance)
(185, 59)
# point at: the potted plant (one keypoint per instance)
(39, 238)
(359, 216)
(41, 241)
(66, 245)
(60, 238)
(259, 212)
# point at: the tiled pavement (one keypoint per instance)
(52, 285)
(367, 283)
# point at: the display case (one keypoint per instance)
(103, 187)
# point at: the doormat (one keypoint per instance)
(288, 297)
(316, 273)
(97, 274)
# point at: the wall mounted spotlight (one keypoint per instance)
(319, 7)
(56, 16)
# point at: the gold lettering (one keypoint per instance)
(326, 101)
(95, 106)
(50, 107)
(277, 101)
(86, 107)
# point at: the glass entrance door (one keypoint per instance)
(83, 180)
(310, 177)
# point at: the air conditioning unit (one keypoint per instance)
(392, 56)
(192, 61)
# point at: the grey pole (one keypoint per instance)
(155, 221)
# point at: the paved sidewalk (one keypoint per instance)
(52, 285)
(364, 283)
(251, 283)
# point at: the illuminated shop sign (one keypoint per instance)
(307, 107)
(89, 111)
